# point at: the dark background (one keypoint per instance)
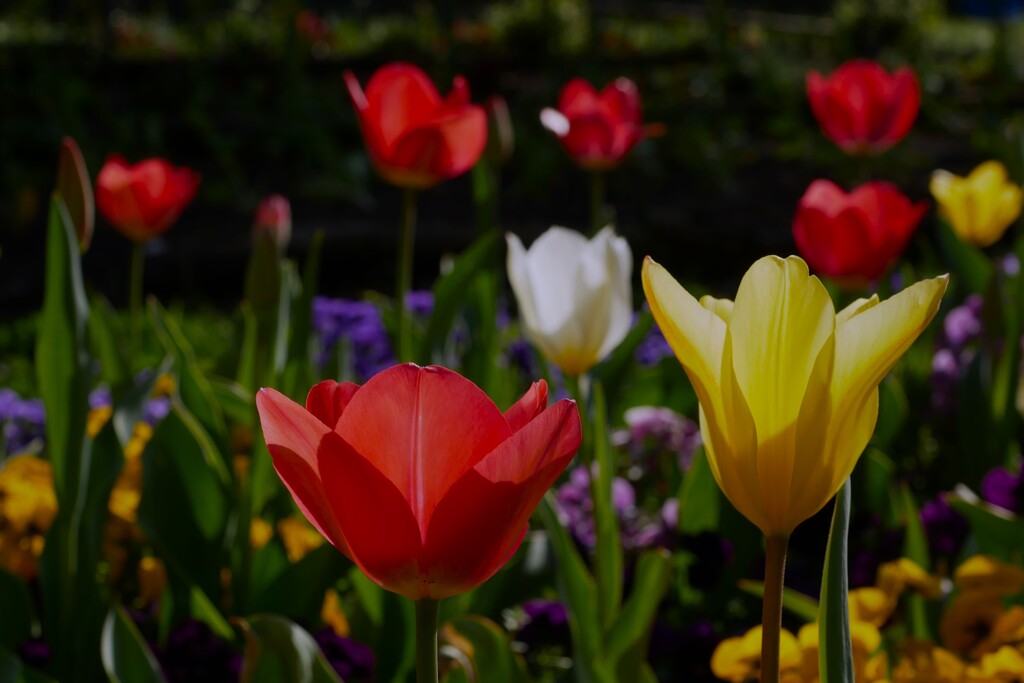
(250, 94)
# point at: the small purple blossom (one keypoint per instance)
(544, 622)
(961, 327)
(652, 429)
(945, 527)
(352, 660)
(23, 421)
(653, 348)
(420, 302)
(359, 326)
(1003, 488)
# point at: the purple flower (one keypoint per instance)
(945, 527)
(960, 329)
(963, 323)
(194, 654)
(653, 348)
(420, 302)
(359, 325)
(1005, 489)
(652, 429)
(23, 421)
(545, 622)
(352, 660)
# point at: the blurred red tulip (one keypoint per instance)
(854, 237)
(274, 218)
(863, 108)
(143, 200)
(417, 476)
(414, 138)
(599, 129)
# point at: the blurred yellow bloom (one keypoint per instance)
(332, 615)
(788, 388)
(1008, 629)
(864, 638)
(979, 207)
(924, 662)
(164, 386)
(152, 579)
(298, 536)
(28, 506)
(968, 620)
(1003, 666)
(902, 574)
(141, 434)
(96, 420)
(987, 574)
(738, 660)
(260, 532)
(872, 605)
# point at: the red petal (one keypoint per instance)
(903, 103)
(578, 97)
(590, 140)
(382, 534)
(442, 148)
(621, 99)
(145, 199)
(399, 97)
(297, 440)
(328, 399)
(423, 428)
(463, 550)
(532, 403)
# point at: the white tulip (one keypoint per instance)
(575, 295)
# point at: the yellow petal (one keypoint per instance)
(951, 193)
(720, 307)
(857, 307)
(780, 322)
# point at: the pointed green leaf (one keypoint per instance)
(126, 656)
(279, 651)
(835, 650)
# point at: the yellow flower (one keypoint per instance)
(969, 619)
(141, 434)
(924, 662)
(979, 207)
(164, 386)
(738, 660)
(298, 537)
(1008, 629)
(788, 388)
(987, 574)
(28, 503)
(1003, 666)
(152, 579)
(96, 420)
(864, 638)
(332, 615)
(899, 575)
(872, 605)
(260, 532)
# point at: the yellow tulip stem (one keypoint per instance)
(771, 616)
(406, 242)
(426, 640)
(135, 302)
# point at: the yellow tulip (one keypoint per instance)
(788, 388)
(981, 206)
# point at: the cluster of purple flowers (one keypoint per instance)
(954, 352)
(1005, 488)
(354, 332)
(156, 408)
(22, 421)
(653, 430)
(653, 348)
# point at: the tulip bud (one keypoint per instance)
(273, 218)
(501, 135)
(75, 189)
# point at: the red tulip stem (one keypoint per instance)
(597, 214)
(135, 300)
(426, 640)
(406, 243)
(771, 616)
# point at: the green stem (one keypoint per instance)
(135, 302)
(406, 242)
(426, 640)
(597, 215)
(771, 616)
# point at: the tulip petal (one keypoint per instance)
(461, 549)
(442, 147)
(297, 440)
(532, 404)
(577, 97)
(382, 534)
(398, 97)
(423, 428)
(328, 399)
(720, 307)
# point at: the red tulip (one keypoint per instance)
(856, 236)
(863, 108)
(599, 129)
(274, 218)
(143, 200)
(414, 138)
(417, 476)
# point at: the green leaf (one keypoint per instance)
(299, 369)
(608, 558)
(626, 647)
(973, 268)
(202, 609)
(184, 506)
(298, 591)
(126, 656)
(450, 292)
(107, 337)
(493, 658)
(699, 497)
(915, 547)
(236, 402)
(996, 534)
(835, 649)
(279, 651)
(803, 606)
(893, 409)
(16, 624)
(13, 671)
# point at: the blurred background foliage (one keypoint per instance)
(250, 94)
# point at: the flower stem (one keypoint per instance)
(135, 302)
(597, 216)
(426, 640)
(406, 242)
(771, 616)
